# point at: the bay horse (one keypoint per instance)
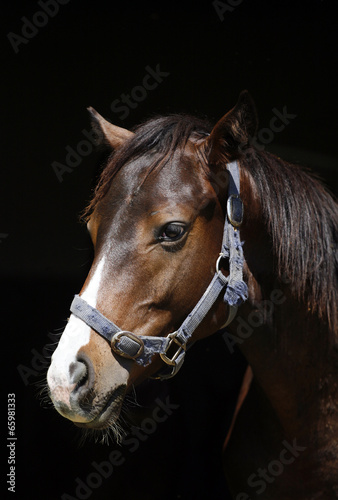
(195, 230)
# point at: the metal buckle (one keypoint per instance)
(235, 210)
(181, 347)
(131, 336)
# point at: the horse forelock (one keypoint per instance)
(302, 219)
(159, 139)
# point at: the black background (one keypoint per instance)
(88, 54)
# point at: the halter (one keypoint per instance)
(173, 347)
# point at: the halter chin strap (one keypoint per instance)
(173, 347)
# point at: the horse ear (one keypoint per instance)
(232, 133)
(107, 132)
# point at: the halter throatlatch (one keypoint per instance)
(172, 348)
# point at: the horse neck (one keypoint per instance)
(284, 342)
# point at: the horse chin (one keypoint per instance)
(109, 412)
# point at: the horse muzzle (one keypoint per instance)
(75, 396)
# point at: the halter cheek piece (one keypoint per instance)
(173, 347)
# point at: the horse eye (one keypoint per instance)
(172, 232)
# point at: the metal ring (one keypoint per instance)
(221, 256)
(225, 279)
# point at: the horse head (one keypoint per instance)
(156, 223)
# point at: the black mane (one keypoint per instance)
(302, 219)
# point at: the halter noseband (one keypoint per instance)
(173, 347)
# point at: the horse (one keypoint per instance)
(196, 230)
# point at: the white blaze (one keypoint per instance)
(75, 335)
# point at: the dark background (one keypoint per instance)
(89, 53)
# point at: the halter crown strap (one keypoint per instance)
(173, 347)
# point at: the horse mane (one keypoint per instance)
(302, 219)
(300, 214)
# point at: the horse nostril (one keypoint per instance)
(82, 376)
(78, 373)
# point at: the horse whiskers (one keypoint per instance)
(57, 333)
(43, 393)
(52, 345)
(117, 429)
(114, 433)
(131, 398)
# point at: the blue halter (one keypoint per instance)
(173, 347)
